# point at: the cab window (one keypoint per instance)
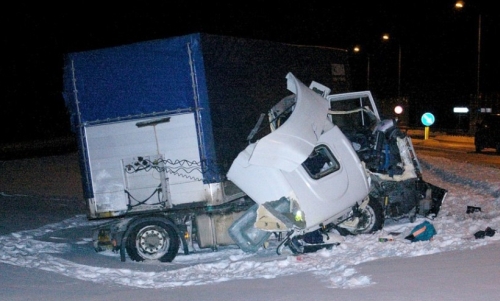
(321, 162)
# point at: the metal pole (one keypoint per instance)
(477, 105)
(399, 72)
(368, 74)
(478, 55)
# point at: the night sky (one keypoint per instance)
(438, 48)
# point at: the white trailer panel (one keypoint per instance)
(127, 158)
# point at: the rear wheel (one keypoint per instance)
(153, 240)
(371, 219)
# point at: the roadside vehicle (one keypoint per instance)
(176, 153)
(488, 133)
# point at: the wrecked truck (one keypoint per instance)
(167, 165)
(348, 172)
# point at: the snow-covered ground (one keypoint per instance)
(52, 247)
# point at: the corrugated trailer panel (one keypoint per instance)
(122, 157)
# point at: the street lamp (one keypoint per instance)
(400, 100)
(386, 37)
(460, 5)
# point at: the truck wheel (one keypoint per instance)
(371, 220)
(372, 217)
(152, 240)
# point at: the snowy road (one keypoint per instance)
(45, 249)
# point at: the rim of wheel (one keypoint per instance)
(367, 219)
(152, 242)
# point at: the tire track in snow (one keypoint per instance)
(448, 176)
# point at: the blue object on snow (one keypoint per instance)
(421, 232)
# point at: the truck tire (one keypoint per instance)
(371, 219)
(152, 240)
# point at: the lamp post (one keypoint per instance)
(460, 5)
(386, 37)
(400, 101)
(390, 103)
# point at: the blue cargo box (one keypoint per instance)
(225, 82)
